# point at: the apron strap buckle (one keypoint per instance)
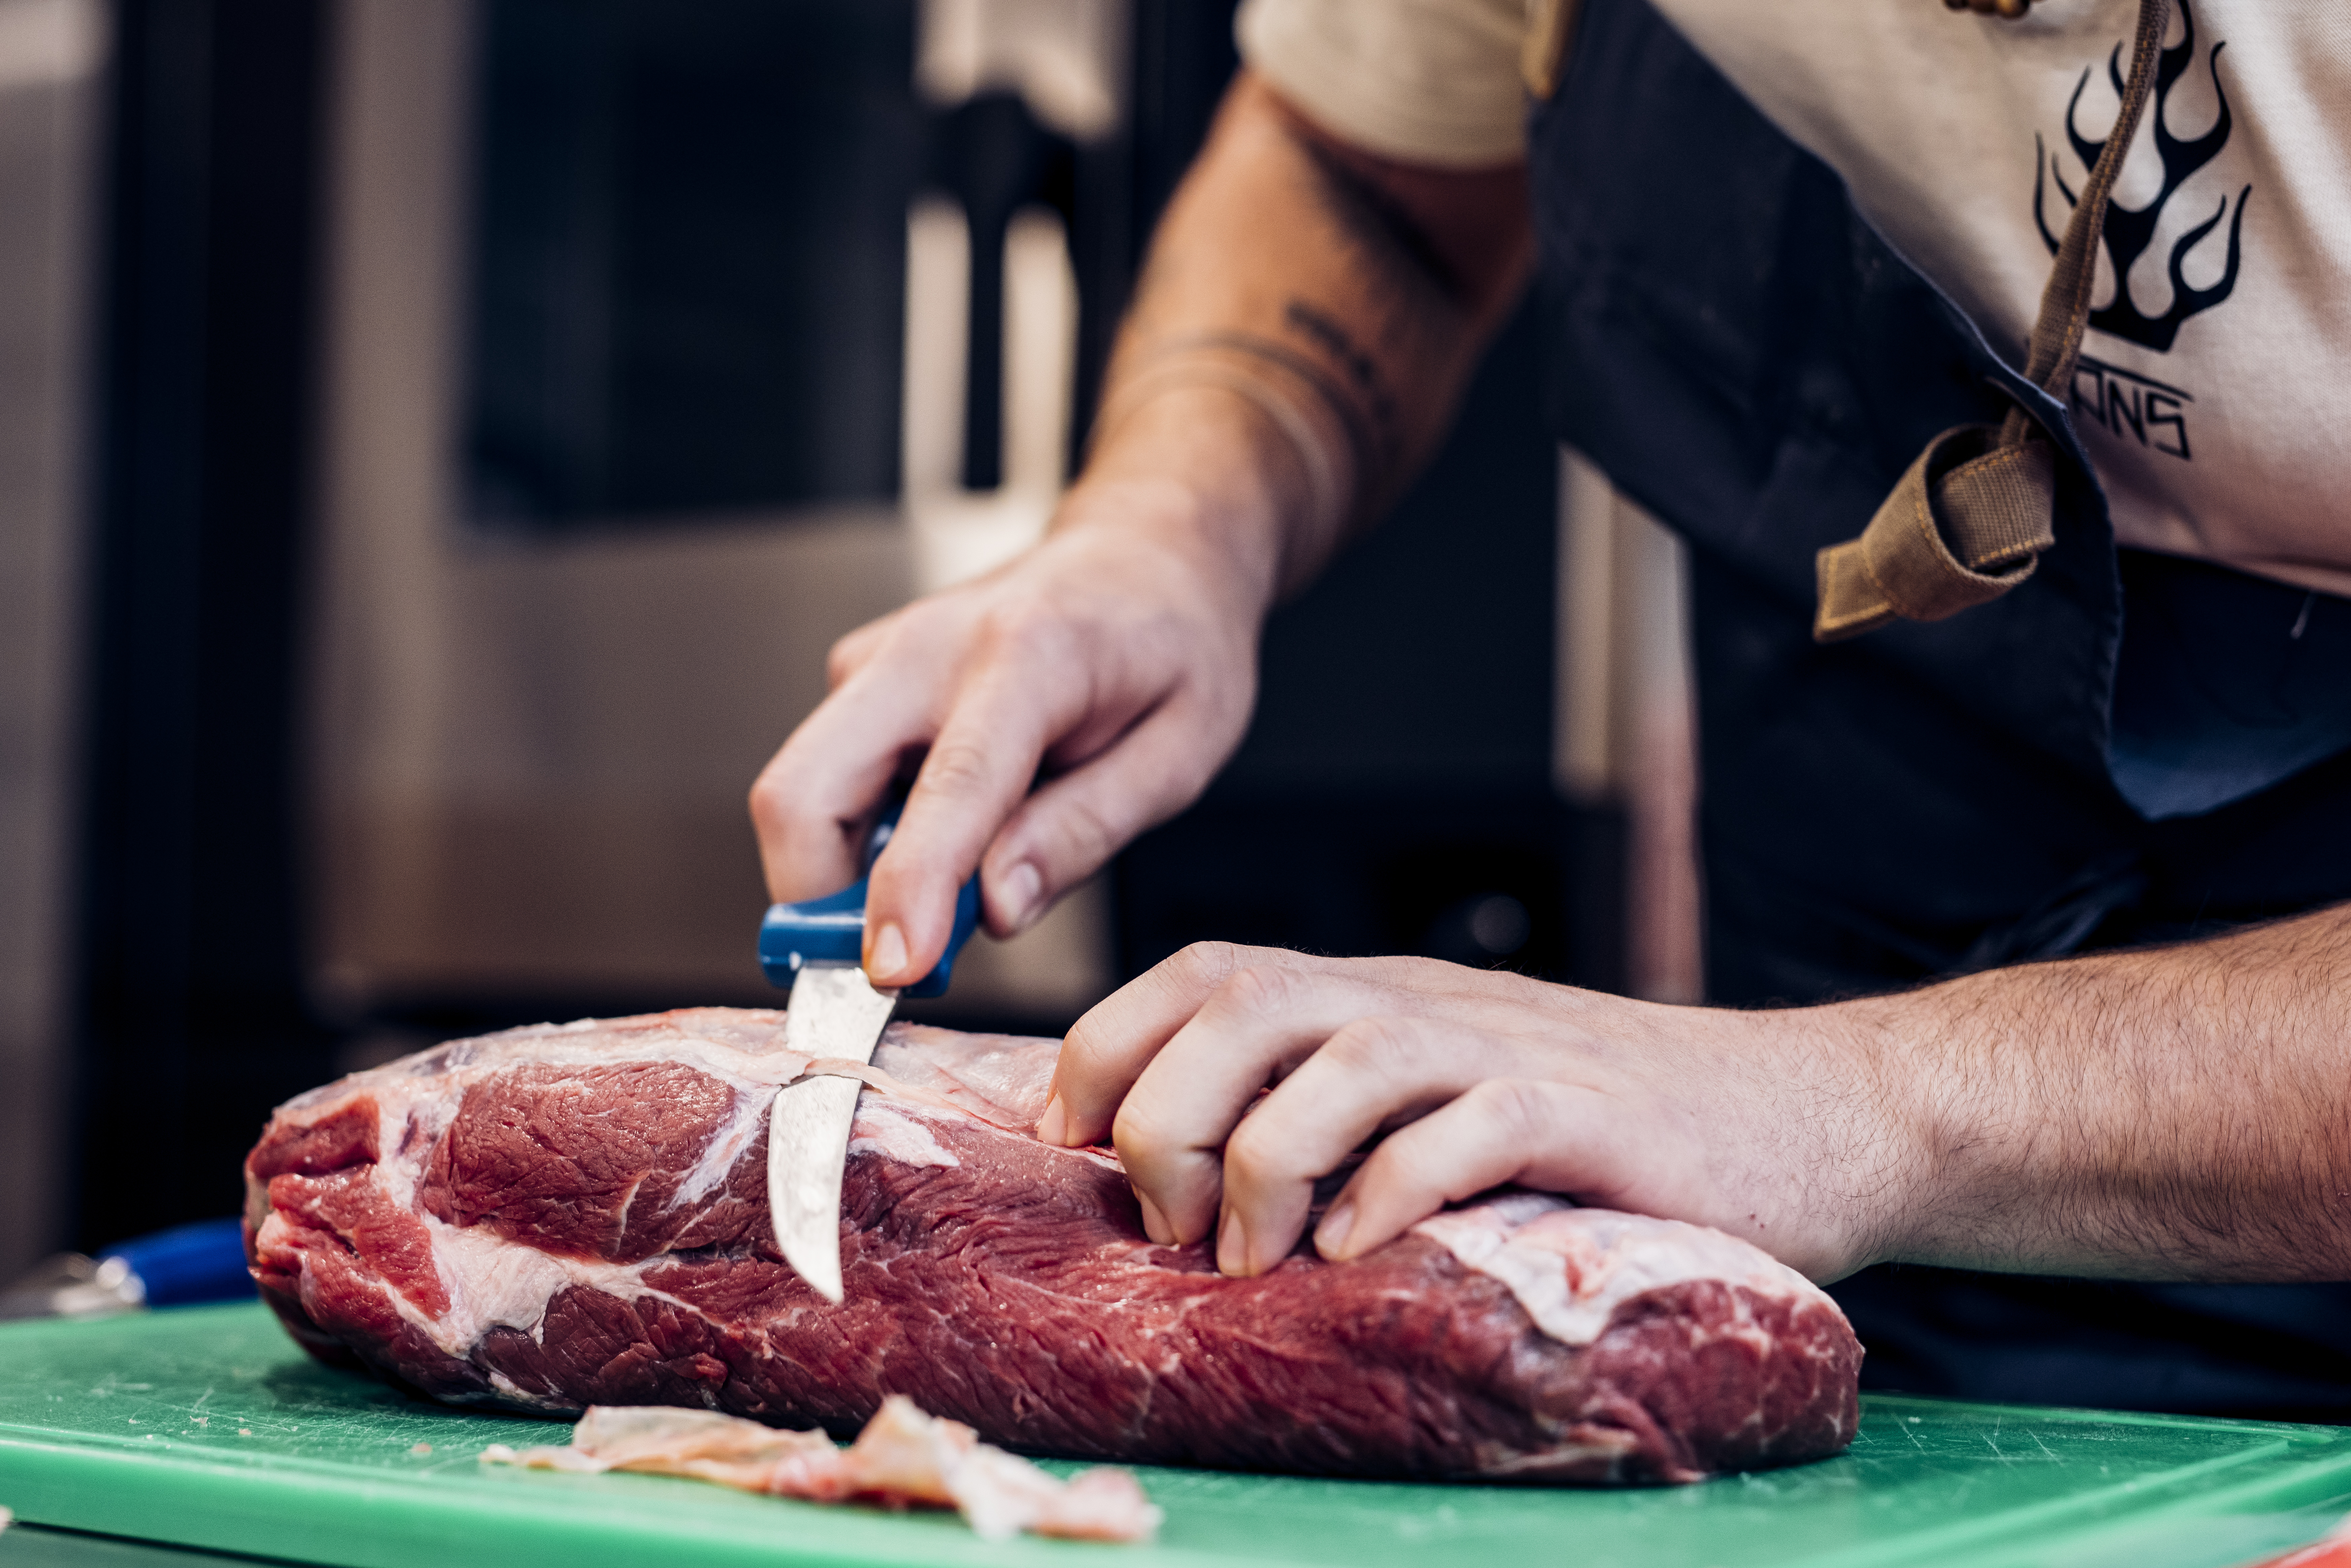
(1971, 516)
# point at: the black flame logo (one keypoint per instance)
(2129, 231)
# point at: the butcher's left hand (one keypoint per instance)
(1779, 1127)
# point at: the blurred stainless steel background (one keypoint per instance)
(50, 55)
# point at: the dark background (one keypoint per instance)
(689, 235)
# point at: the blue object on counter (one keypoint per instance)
(833, 929)
(188, 1263)
(180, 1267)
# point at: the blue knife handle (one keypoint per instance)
(833, 929)
(199, 1262)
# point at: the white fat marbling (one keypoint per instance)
(1572, 1268)
(882, 1129)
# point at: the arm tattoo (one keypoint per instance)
(1370, 444)
(1419, 295)
(1363, 371)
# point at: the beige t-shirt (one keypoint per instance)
(2219, 419)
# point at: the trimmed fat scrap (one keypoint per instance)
(575, 1216)
(902, 1457)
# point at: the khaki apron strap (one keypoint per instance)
(1971, 518)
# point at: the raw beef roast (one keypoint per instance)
(560, 1216)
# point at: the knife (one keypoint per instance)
(815, 948)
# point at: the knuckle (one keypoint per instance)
(767, 801)
(854, 648)
(1088, 838)
(1088, 1041)
(1205, 965)
(1518, 1110)
(1257, 991)
(1373, 1045)
(1024, 627)
(775, 796)
(1257, 1156)
(956, 768)
(1139, 1140)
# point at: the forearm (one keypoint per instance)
(2181, 1113)
(1299, 338)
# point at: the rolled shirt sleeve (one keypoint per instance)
(1433, 82)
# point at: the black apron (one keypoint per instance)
(1744, 356)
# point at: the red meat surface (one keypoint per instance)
(567, 1216)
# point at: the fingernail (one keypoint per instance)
(1232, 1245)
(1331, 1236)
(889, 954)
(1154, 1224)
(1024, 894)
(1054, 1126)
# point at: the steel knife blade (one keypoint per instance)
(835, 1013)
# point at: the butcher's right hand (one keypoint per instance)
(1057, 707)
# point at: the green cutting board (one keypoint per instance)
(206, 1428)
